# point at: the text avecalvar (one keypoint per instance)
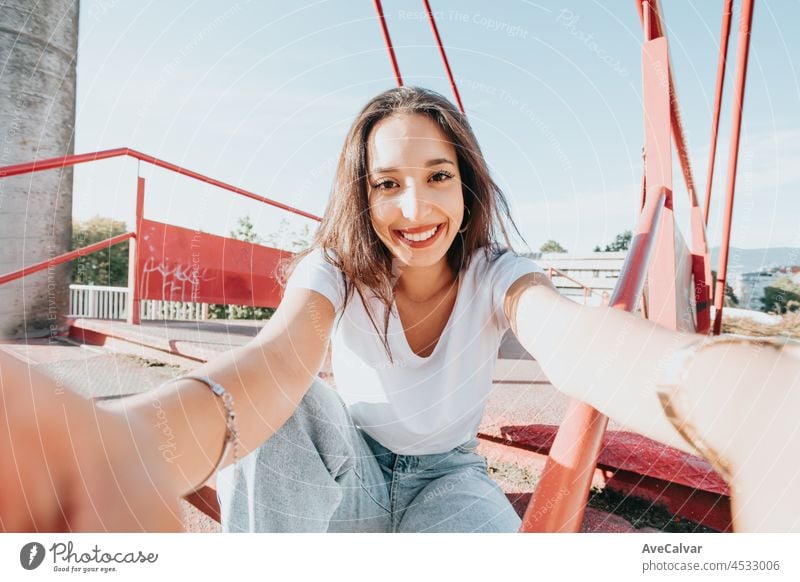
(671, 549)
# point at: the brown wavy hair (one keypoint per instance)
(346, 229)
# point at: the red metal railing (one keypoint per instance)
(74, 160)
(587, 291)
(66, 257)
(134, 296)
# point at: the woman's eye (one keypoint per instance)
(441, 176)
(384, 185)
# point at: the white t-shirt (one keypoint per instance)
(416, 405)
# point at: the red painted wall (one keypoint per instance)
(180, 264)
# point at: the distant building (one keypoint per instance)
(749, 287)
(587, 278)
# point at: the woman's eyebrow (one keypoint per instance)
(428, 164)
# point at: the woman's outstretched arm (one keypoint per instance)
(267, 378)
(742, 399)
(603, 356)
(613, 360)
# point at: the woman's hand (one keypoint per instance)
(70, 466)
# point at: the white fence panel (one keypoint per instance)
(101, 302)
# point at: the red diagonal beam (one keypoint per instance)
(721, 62)
(656, 31)
(443, 54)
(388, 40)
(743, 50)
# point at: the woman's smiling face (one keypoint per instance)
(415, 194)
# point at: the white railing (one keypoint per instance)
(103, 302)
(177, 310)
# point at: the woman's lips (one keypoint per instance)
(417, 230)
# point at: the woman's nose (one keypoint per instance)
(412, 203)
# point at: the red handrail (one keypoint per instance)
(75, 159)
(563, 275)
(68, 256)
(573, 455)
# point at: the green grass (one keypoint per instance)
(641, 513)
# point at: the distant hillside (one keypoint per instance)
(744, 260)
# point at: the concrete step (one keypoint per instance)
(193, 340)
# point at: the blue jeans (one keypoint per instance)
(320, 472)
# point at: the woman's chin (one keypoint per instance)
(416, 259)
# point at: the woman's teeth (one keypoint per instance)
(420, 236)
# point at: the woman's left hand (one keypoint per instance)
(68, 465)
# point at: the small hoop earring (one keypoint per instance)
(464, 228)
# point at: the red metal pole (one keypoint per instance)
(98, 246)
(134, 288)
(64, 161)
(653, 26)
(60, 162)
(388, 40)
(443, 54)
(743, 50)
(647, 22)
(723, 56)
(653, 31)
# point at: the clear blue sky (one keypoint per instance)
(260, 94)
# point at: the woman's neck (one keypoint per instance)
(420, 284)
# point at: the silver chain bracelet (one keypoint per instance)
(232, 434)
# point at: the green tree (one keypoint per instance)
(246, 231)
(731, 300)
(289, 238)
(782, 296)
(552, 246)
(622, 242)
(106, 267)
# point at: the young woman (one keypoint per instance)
(407, 279)
(408, 283)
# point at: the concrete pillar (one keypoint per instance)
(38, 55)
